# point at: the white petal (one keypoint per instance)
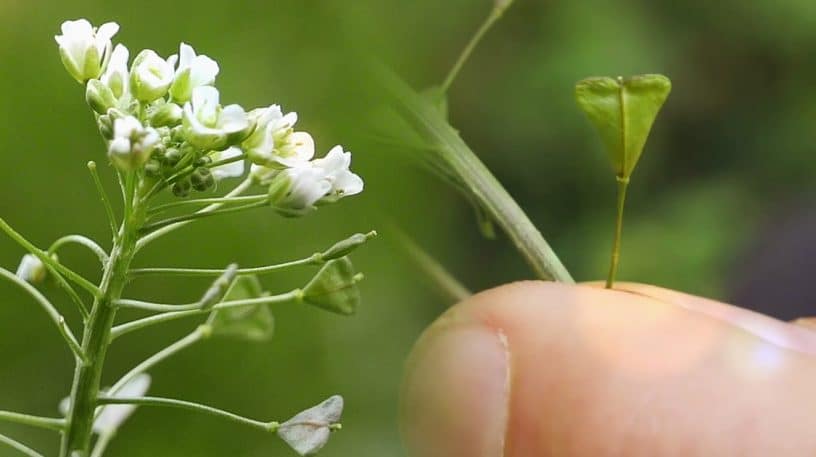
(113, 416)
(233, 119)
(230, 170)
(186, 55)
(304, 145)
(107, 31)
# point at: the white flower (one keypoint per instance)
(230, 170)
(274, 143)
(132, 143)
(31, 269)
(112, 417)
(151, 76)
(336, 170)
(84, 49)
(294, 191)
(117, 76)
(309, 430)
(211, 127)
(193, 71)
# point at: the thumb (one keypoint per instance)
(535, 369)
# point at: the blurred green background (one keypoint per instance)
(732, 149)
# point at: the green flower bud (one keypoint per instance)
(105, 125)
(165, 115)
(623, 111)
(334, 288)
(253, 323)
(181, 188)
(32, 269)
(153, 167)
(202, 161)
(99, 96)
(202, 179)
(172, 156)
(150, 76)
(345, 247)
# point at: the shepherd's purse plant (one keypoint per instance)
(168, 135)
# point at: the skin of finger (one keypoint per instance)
(599, 372)
(796, 337)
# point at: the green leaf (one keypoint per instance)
(334, 288)
(623, 111)
(252, 323)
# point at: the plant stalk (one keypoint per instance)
(76, 440)
(623, 185)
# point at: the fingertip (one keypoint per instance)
(456, 390)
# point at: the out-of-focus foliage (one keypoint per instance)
(730, 146)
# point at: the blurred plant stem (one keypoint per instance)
(495, 14)
(623, 185)
(451, 154)
(452, 290)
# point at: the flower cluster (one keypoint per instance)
(164, 116)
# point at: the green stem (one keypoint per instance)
(315, 259)
(104, 196)
(293, 296)
(14, 444)
(455, 154)
(494, 16)
(147, 239)
(208, 201)
(449, 286)
(623, 184)
(190, 406)
(49, 423)
(195, 216)
(52, 312)
(102, 444)
(77, 437)
(82, 241)
(47, 260)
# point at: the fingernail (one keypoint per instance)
(456, 392)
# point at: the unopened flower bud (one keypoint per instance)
(345, 247)
(105, 125)
(166, 115)
(172, 156)
(334, 288)
(202, 161)
(202, 179)
(32, 269)
(153, 168)
(150, 76)
(99, 97)
(181, 188)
